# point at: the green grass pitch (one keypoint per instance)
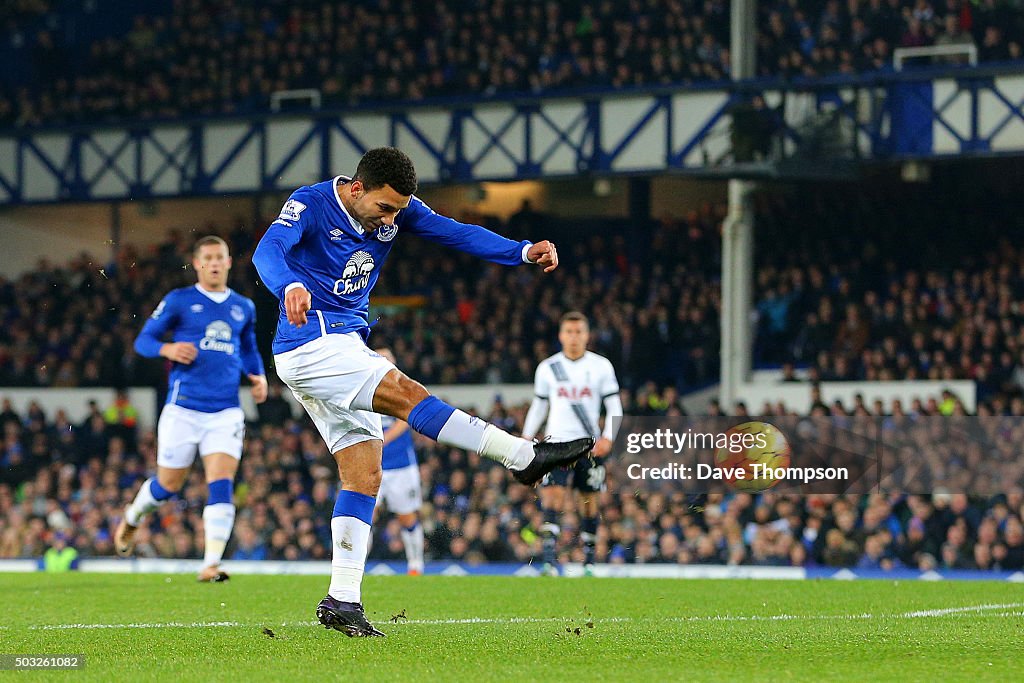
(161, 628)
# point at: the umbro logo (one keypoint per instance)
(197, 308)
(337, 234)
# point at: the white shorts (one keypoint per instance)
(181, 433)
(334, 377)
(400, 490)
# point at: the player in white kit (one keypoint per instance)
(569, 389)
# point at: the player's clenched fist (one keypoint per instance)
(179, 352)
(296, 302)
(543, 254)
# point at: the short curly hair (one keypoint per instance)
(387, 166)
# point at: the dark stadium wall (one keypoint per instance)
(585, 196)
(61, 232)
(54, 233)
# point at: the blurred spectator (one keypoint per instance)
(839, 550)
(122, 418)
(248, 545)
(952, 36)
(60, 557)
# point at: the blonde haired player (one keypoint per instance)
(570, 387)
(213, 343)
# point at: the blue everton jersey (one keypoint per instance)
(400, 452)
(222, 325)
(316, 243)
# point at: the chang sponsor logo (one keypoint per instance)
(218, 338)
(356, 275)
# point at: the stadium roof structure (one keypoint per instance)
(802, 129)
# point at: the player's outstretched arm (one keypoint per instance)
(420, 219)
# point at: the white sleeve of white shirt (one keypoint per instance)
(612, 416)
(538, 412)
(612, 402)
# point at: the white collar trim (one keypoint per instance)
(218, 297)
(351, 221)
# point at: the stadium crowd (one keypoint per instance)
(195, 57)
(72, 481)
(899, 296)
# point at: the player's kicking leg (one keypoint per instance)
(359, 468)
(399, 396)
(339, 381)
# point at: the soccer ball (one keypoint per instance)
(763, 444)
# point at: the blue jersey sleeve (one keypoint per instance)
(252, 363)
(284, 233)
(163, 319)
(420, 219)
